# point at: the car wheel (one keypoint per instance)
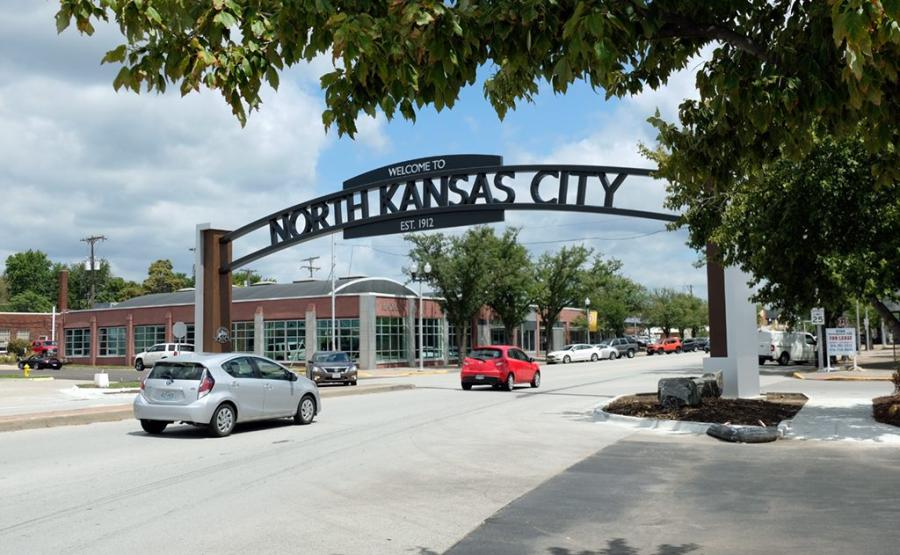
(139, 365)
(594, 357)
(784, 359)
(567, 359)
(353, 382)
(678, 350)
(467, 386)
(630, 353)
(612, 356)
(306, 410)
(153, 427)
(223, 420)
(649, 353)
(762, 361)
(536, 380)
(510, 381)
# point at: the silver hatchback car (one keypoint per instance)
(220, 390)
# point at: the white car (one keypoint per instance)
(607, 352)
(158, 352)
(577, 352)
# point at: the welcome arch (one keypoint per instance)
(435, 193)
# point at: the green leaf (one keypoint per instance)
(63, 18)
(153, 15)
(225, 19)
(123, 78)
(117, 54)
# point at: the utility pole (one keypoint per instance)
(333, 320)
(309, 265)
(193, 268)
(92, 240)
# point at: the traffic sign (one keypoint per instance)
(179, 330)
(817, 315)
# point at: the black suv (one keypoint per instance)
(625, 346)
(690, 345)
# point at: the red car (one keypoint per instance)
(665, 345)
(499, 366)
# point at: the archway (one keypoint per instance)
(459, 190)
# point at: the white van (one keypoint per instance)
(785, 347)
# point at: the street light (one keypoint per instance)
(420, 276)
(587, 317)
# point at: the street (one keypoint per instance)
(403, 472)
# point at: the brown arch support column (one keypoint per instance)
(715, 282)
(216, 292)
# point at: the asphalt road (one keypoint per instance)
(406, 472)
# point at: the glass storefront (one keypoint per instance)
(285, 340)
(390, 339)
(347, 336)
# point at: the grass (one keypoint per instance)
(19, 377)
(112, 385)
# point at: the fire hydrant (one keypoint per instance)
(26, 370)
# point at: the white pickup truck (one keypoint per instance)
(785, 347)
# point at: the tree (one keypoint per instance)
(781, 61)
(461, 273)
(613, 296)
(31, 271)
(161, 278)
(511, 282)
(559, 281)
(663, 310)
(818, 232)
(246, 277)
(30, 301)
(4, 294)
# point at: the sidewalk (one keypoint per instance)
(877, 364)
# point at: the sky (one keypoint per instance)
(78, 159)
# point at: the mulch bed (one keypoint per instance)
(776, 407)
(887, 409)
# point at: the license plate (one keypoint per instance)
(479, 377)
(168, 395)
(336, 375)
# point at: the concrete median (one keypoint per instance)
(123, 412)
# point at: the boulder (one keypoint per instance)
(710, 385)
(678, 392)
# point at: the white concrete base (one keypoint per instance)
(740, 375)
(101, 379)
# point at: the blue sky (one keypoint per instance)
(144, 170)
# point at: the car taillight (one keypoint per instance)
(206, 385)
(772, 348)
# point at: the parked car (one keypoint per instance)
(690, 345)
(221, 390)
(44, 346)
(640, 340)
(606, 352)
(39, 362)
(785, 347)
(577, 352)
(159, 352)
(499, 366)
(703, 344)
(624, 346)
(332, 367)
(667, 345)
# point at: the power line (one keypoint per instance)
(309, 265)
(628, 238)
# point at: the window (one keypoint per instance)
(166, 370)
(146, 337)
(112, 342)
(330, 357)
(270, 370)
(285, 339)
(4, 339)
(23, 335)
(242, 337)
(518, 355)
(239, 368)
(390, 339)
(347, 336)
(485, 354)
(78, 342)
(157, 348)
(452, 349)
(432, 338)
(189, 336)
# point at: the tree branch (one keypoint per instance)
(684, 29)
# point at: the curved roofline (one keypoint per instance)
(360, 280)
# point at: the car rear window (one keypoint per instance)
(176, 371)
(485, 354)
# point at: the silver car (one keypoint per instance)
(220, 390)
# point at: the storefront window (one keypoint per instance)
(242, 337)
(390, 339)
(78, 342)
(112, 342)
(189, 335)
(285, 340)
(452, 349)
(347, 336)
(148, 336)
(432, 338)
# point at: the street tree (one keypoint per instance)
(31, 271)
(664, 310)
(162, 279)
(815, 232)
(461, 273)
(614, 296)
(560, 280)
(512, 281)
(30, 301)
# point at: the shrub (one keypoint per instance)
(8, 359)
(18, 347)
(895, 377)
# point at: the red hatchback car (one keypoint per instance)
(499, 366)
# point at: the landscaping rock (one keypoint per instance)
(709, 385)
(673, 393)
(743, 434)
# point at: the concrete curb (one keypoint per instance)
(115, 413)
(34, 379)
(660, 425)
(827, 378)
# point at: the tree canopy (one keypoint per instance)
(560, 280)
(162, 279)
(31, 271)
